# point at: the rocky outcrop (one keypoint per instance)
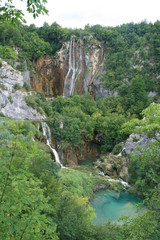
(76, 68)
(12, 96)
(48, 76)
(113, 166)
(136, 141)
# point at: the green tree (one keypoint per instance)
(137, 96)
(141, 228)
(144, 169)
(74, 218)
(23, 201)
(10, 14)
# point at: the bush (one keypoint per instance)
(27, 87)
(8, 53)
(117, 148)
(16, 86)
(31, 102)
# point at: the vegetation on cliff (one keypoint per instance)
(131, 49)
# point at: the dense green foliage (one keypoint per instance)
(40, 202)
(19, 45)
(23, 203)
(149, 125)
(144, 164)
(83, 119)
(131, 49)
(37, 199)
(32, 199)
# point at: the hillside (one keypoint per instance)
(97, 93)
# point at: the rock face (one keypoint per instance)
(48, 77)
(139, 141)
(76, 68)
(12, 101)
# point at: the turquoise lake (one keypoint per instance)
(111, 206)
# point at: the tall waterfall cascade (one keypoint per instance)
(74, 67)
(77, 68)
(47, 134)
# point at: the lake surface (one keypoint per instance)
(111, 206)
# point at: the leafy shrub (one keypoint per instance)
(10, 99)
(7, 52)
(27, 87)
(16, 86)
(31, 102)
(117, 148)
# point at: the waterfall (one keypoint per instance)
(120, 154)
(75, 67)
(125, 184)
(69, 70)
(47, 88)
(74, 71)
(47, 134)
(78, 69)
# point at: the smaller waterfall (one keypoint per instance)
(47, 135)
(69, 70)
(47, 88)
(125, 184)
(120, 154)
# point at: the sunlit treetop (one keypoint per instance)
(11, 15)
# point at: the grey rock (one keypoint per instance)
(136, 141)
(12, 103)
(152, 94)
(100, 186)
(26, 77)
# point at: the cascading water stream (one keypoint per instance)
(69, 70)
(75, 67)
(78, 69)
(47, 88)
(125, 184)
(47, 135)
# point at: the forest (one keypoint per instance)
(40, 200)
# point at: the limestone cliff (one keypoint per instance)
(48, 76)
(76, 68)
(136, 141)
(12, 96)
